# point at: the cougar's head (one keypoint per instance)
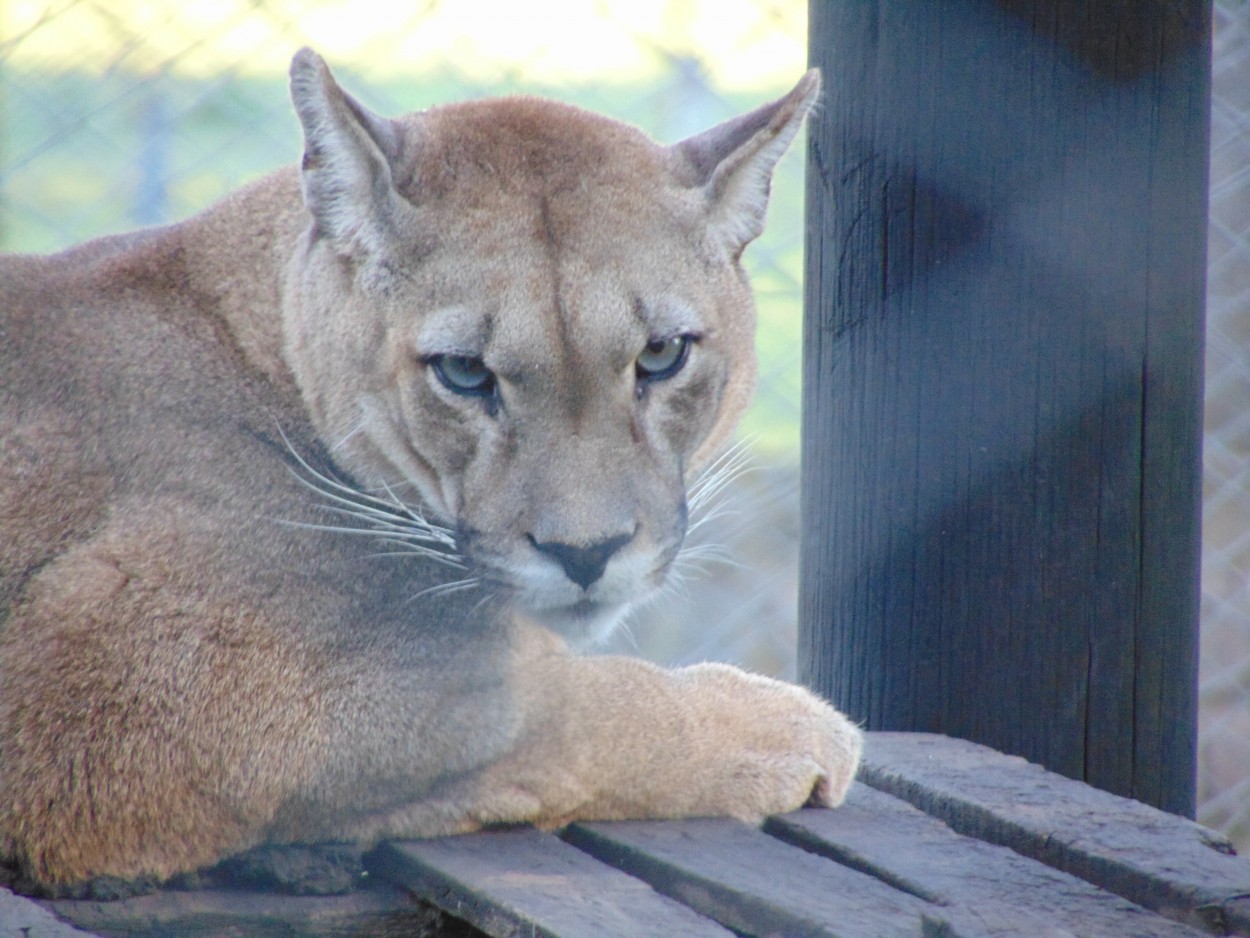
(532, 320)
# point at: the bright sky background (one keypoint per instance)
(554, 40)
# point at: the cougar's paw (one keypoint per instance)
(772, 747)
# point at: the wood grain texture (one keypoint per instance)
(979, 886)
(385, 912)
(1002, 392)
(1160, 861)
(528, 883)
(753, 883)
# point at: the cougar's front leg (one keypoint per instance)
(613, 738)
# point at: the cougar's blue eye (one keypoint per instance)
(663, 358)
(464, 374)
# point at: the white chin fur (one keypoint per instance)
(584, 624)
(584, 618)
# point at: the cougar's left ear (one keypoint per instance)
(733, 162)
(348, 153)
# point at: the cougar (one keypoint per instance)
(310, 504)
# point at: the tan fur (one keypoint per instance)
(194, 659)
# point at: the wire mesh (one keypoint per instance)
(1224, 681)
(119, 113)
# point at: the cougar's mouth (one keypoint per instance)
(584, 623)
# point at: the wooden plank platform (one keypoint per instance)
(1164, 862)
(526, 882)
(939, 837)
(750, 882)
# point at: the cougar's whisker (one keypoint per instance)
(390, 521)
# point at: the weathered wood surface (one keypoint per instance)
(982, 888)
(940, 837)
(1162, 861)
(753, 883)
(525, 882)
(215, 913)
(1002, 377)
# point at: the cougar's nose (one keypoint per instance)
(583, 565)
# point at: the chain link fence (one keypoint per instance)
(1224, 703)
(119, 113)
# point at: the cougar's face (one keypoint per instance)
(565, 362)
(533, 319)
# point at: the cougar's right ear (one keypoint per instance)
(733, 162)
(348, 155)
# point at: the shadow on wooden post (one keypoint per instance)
(1003, 353)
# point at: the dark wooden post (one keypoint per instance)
(1003, 353)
